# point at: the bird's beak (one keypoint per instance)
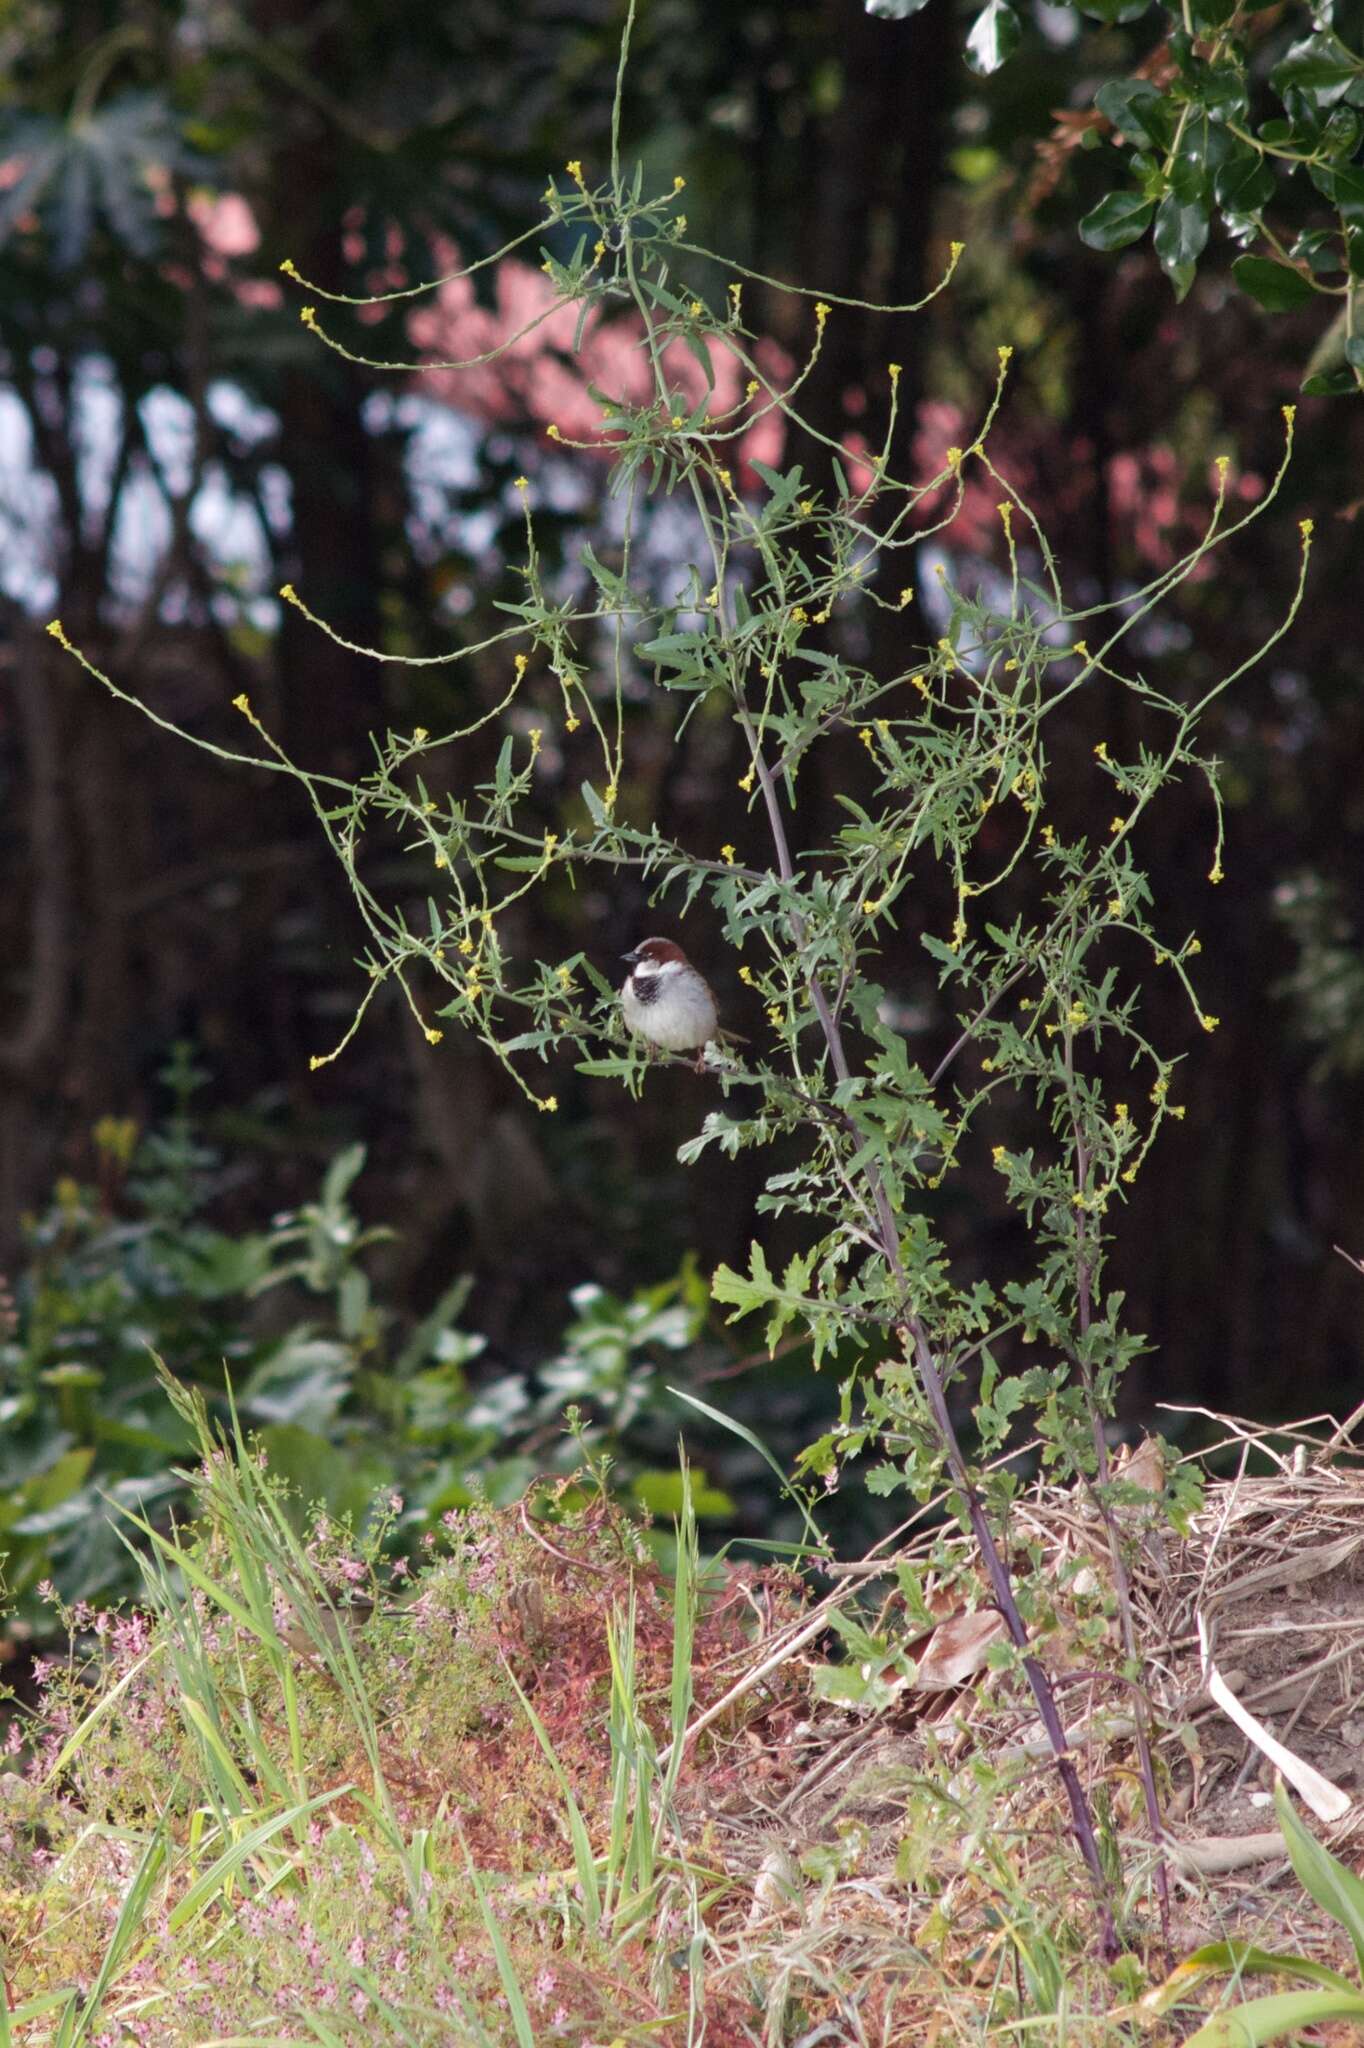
(631, 958)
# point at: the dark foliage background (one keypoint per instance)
(154, 379)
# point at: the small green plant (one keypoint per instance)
(351, 1400)
(1340, 1894)
(1036, 915)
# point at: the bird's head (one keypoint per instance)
(653, 954)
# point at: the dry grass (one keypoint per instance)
(764, 1867)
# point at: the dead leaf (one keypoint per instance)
(958, 1649)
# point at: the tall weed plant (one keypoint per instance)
(1038, 924)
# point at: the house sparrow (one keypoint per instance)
(666, 1001)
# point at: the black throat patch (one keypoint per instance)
(644, 987)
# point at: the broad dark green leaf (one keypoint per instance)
(1320, 65)
(1138, 110)
(993, 38)
(1272, 285)
(1330, 384)
(1181, 236)
(1343, 185)
(1244, 184)
(1121, 218)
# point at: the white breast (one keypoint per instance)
(681, 1014)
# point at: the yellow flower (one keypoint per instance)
(1215, 871)
(440, 860)
(746, 975)
(243, 704)
(466, 945)
(821, 312)
(1177, 1111)
(1049, 835)
(752, 388)
(1115, 906)
(317, 1060)
(906, 596)
(1305, 528)
(677, 420)
(1130, 1175)
(1082, 647)
(871, 906)
(774, 1016)
(433, 1037)
(696, 309)
(997, 1153)
(522, 663)
(420, 736)
(727, 855)
(866, 738)
(552, 431)
(1004, 352)
(1290, 413)
(987, 1066)
(523, 483)
(920, 684)
(1194, 946)
(547, 1102)
(1120, 1113)
(574, 168)
(1101, 750)
(308, 315)
(807, 506)
(746, 782)
(571, 724)
(1078, 1014)
(679, 184)
(535, 738)
(894, 369)
(1116, 825)
(954, 458)
(1209, 1023)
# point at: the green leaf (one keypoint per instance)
(1121, 218)
(1331, 1883)
(1329, 384)
(1138, 110)
(1269, 2019)
(1272, 285)
(1343, 185)
(1320, 65)
(1244, 184)
(994, 37)
(1181, 237)
(1209, 14)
